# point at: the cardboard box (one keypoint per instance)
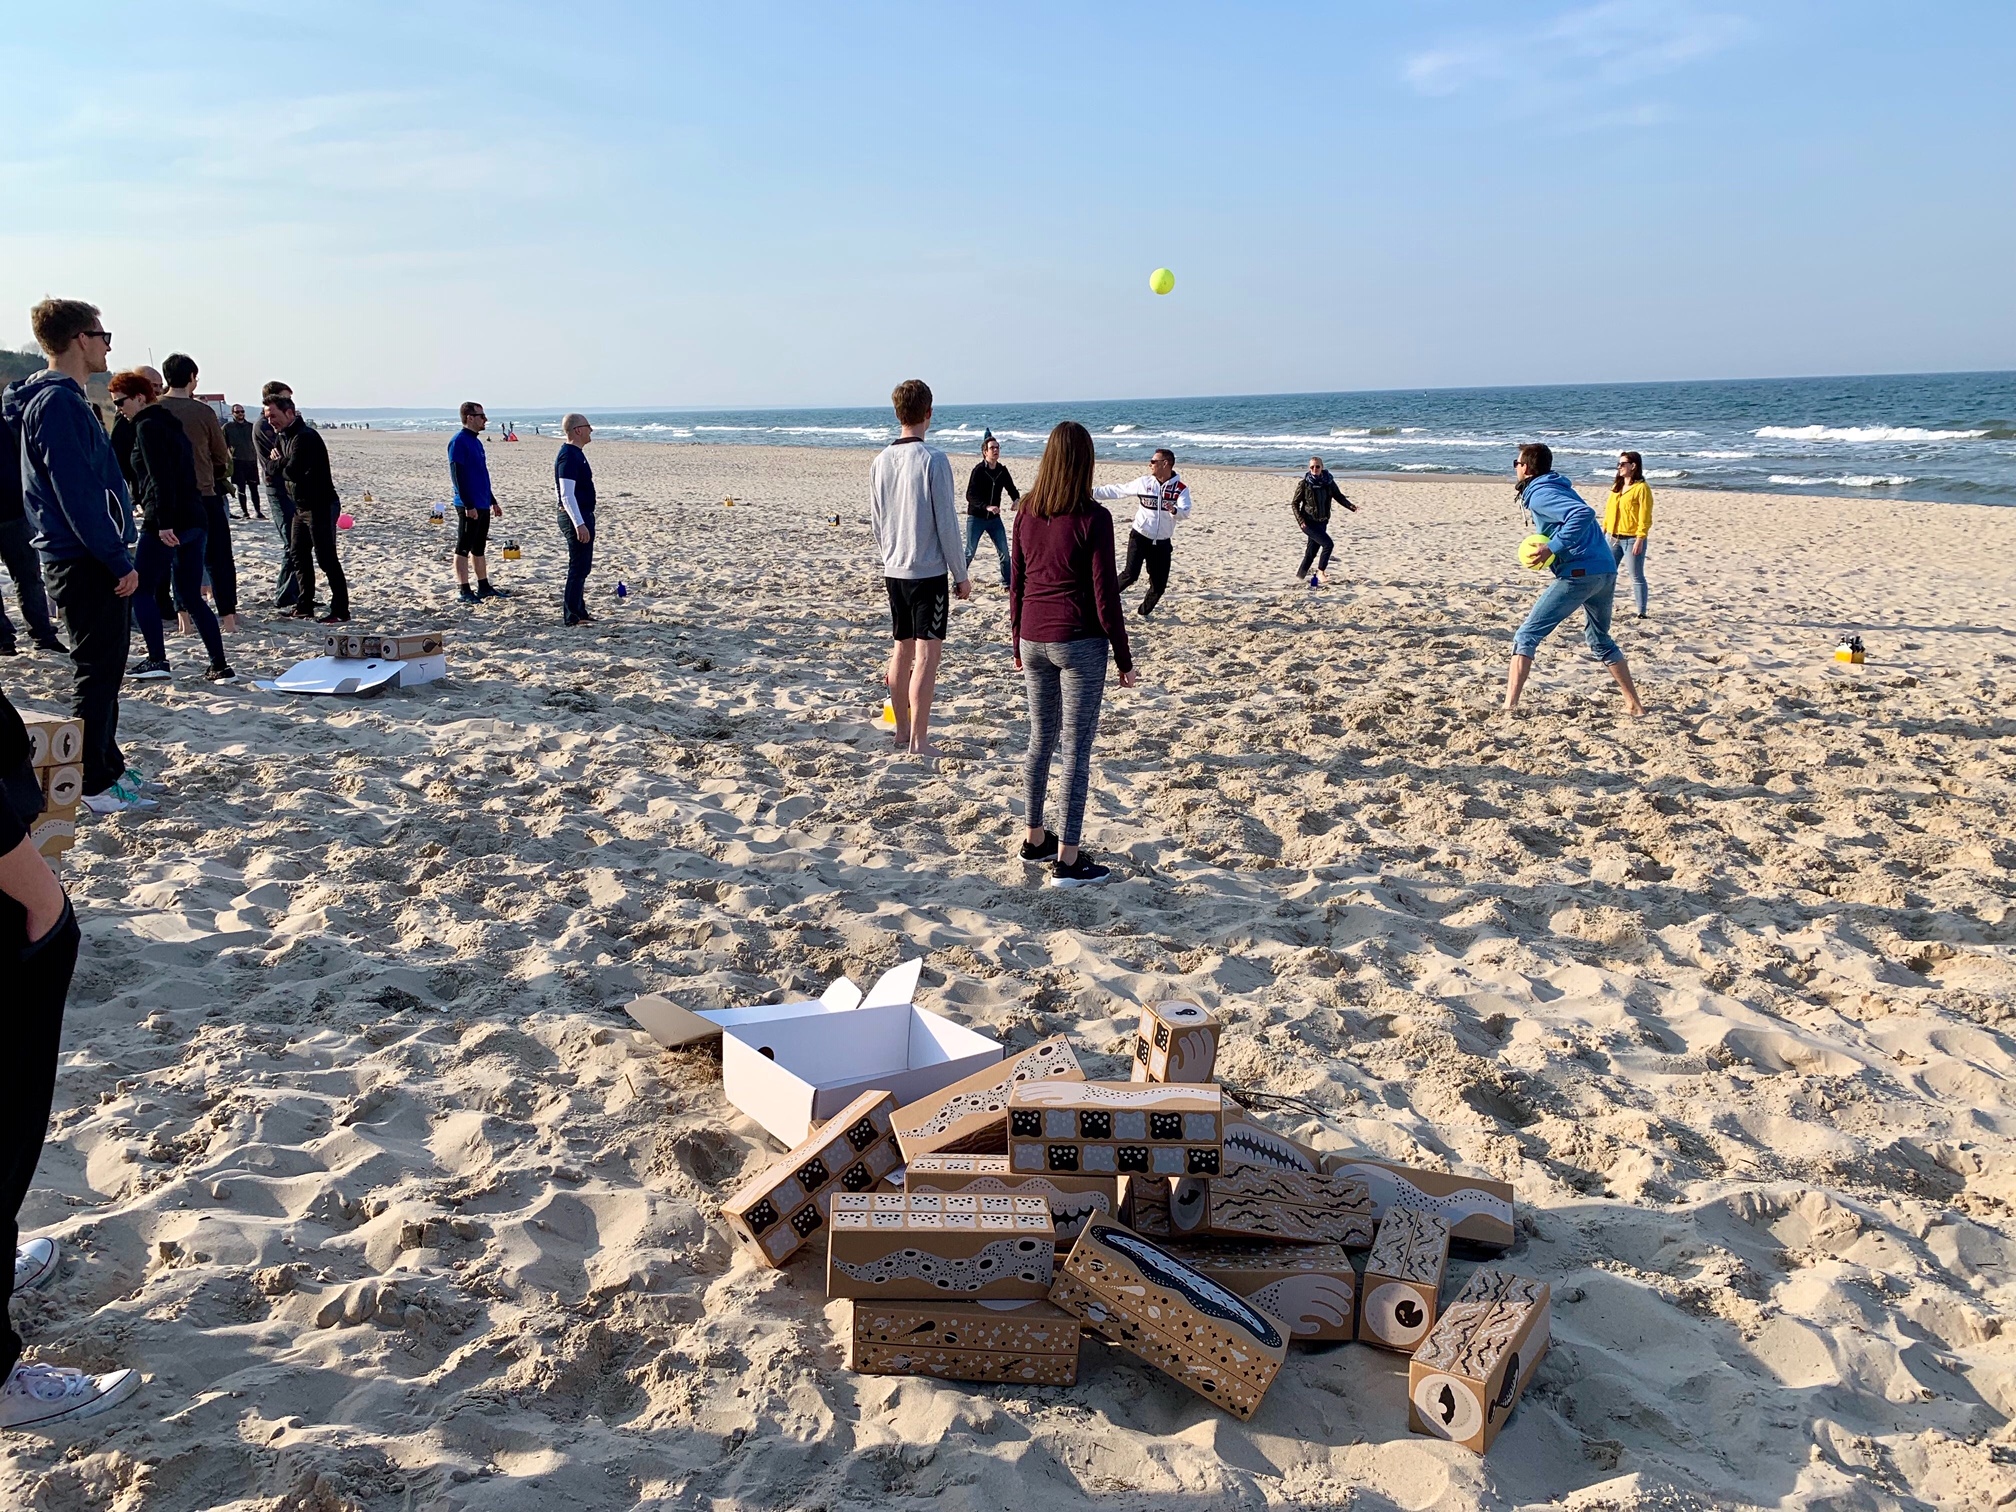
(53, 739)
(1475, 1364)
(1248, 1142)
(1112, 1128)
(62, 786)
(971, 1116)
(1073, 1200)
(1177, 1042)
(55, 831)
(1291, 1207)
(406, 647)
(1190, 1327)
(1493, 1284)
(1017, 1343)
(906, 1244)
(1311, 1288)
(673, 1026)
(342, 643)
(1144, 1206)
(1476, 1209)
(1403, 1279)
(776, 1212)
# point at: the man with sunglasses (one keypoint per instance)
(469, 469)
(82, 515)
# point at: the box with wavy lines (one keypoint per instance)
(1311, 1288)
(904, 1244)
(1194, 1329)
(1471, 1370)
(1115, 1128)
(1144, 1206)
(1073, 1200)
(1029, 1343)
(1403, 1279)
(1249, 1142)
(1177, 1042)
(971, 1116)
(774, 1214)
(1291, 1207)
(1475, 1208)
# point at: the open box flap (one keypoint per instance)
(897, 985)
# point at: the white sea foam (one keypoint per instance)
(1121, 430)
(1845, 480)
(1862, 433)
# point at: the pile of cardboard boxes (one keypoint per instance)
(981, 1227)
(56, 750)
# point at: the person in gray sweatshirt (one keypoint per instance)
(911, 503)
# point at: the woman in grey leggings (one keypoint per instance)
(1064, 619)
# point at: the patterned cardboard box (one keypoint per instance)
(1248, 1142)
(1286, 1206)
(971, 1116)
(1477, 1361)
(775, 1213)
(1312, 1288)
(401, 647)
(1144, 1206)
(902, 1244)
(53, 739)
(55, 831)
(1475, 1208)
(62, 786)
(1177, 1042)
(1403, 1279)
(1073, 1200)
(1187, 1325)
(1017, 1343)
(1113, 1128)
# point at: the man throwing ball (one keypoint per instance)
(1161, 499)
(1585, 574)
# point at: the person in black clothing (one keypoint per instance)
(266, 441)
(304, 464)
(18, 552)
(983, 503)
(240, 436)
(1315, 491)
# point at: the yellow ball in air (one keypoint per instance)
(1161, 280)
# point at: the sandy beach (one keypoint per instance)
(357, 1157)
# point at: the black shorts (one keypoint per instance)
(472, 533)
(245, 473)
(918, 607)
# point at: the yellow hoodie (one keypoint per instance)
(1629, 513)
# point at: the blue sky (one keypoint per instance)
(642, 205)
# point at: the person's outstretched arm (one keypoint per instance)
(1140, 488)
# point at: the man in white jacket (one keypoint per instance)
(1163, 499)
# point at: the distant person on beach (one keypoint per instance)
(574, 480)
(983, 503)
(1315, 491)
(239, 436)
(213, 481)
(172, 525)
(1064, 617)
(82, 517)
(469, 471)
(18, 552)
(1585, 576)
(287, 591)
(1627, 521)
(39, 940)
(1164, 499)
(304, 464)
(910, 505)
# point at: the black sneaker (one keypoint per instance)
(484, 590)
(220, 673)
(50, 643)
(148, 670)
(333, 618)
(1084, 872)
(1047, 851)
(467, 595)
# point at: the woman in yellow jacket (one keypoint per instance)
(1627, 520)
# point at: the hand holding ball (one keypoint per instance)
(1536, 553)
(1161, 280)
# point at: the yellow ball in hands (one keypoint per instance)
(1161, 280)
(1536, 552)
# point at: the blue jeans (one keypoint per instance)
(288, 590)
(990, 528)
(1624, 549)
(183, 563)
(1592, 594)
(580, 560)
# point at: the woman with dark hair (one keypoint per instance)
(1063, 620)
(172, 522)
(1627, 521)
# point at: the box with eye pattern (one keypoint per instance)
(971, 1116)
(907, 1244)
(1476, 1208)
(1115, 1128)
(1017, 1343)
(1403, 1279)
(1290, 1207)
(1177, 1042)
(1311, 1288)
(54, 740)
(1073, 1200)
(775, 1213)
(1471, 1370)
(1191, 1327)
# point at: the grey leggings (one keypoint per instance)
(1066, 681)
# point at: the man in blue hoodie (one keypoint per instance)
(1585, 574)
(82, 517)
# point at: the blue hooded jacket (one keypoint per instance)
(1570, 525)
(75, 494)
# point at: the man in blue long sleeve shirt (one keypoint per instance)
(469, 468)
(1585, 574)
(77, 504)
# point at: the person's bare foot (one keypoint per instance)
(230, 623)
(1635, 710)
(927, 752)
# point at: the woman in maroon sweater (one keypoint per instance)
(1063, 617)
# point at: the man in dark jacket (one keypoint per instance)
(304, 465)
(16, 551)
(983, 503)
(1315, 491)
(266, 441)
(82, 517)
(239, 435)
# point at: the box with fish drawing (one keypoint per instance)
(1015, 1342)
(1191, 1327)
(1312, 1288)
(887, 1245)
(1074, 1200)
(1177, 1042)
(1475, 1364)
(1292, 1207)
(1477, 1209)
(778, 1210)
(971, 1116)
(1114, 1128)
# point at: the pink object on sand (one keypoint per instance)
(344, 522)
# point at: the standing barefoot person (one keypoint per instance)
(917, 527)
(1627, 521)
(1063, 618)
(1585, 577)
(1314, 492)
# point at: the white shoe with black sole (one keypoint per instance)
(44, 1396)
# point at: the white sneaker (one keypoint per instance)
(35, 1263)
(111, 801)
(37, 1396)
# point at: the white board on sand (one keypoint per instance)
(349, 675)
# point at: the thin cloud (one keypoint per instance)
(1649, 36)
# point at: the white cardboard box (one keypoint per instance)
(673, 1026)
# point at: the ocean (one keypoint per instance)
(1940, 436)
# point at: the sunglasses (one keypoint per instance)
(104, 336)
